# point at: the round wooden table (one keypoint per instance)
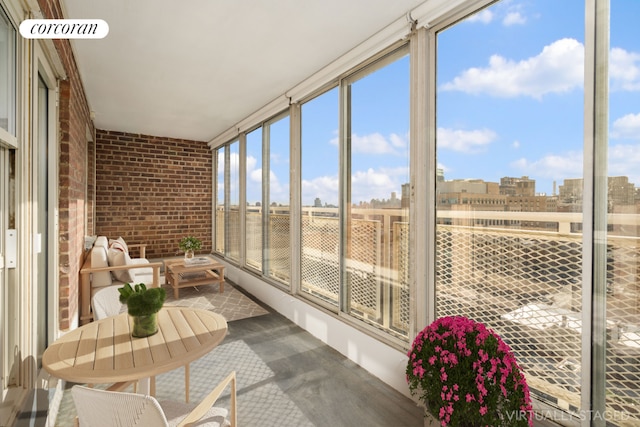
(105, 352)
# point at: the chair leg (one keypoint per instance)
(186, 383)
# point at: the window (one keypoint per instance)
(375, 225)
(253, 217)
(320, 222)
(7, 78)
(233, 223)
(510, 108)
(621, 278)
(278, 253)
(220, 218)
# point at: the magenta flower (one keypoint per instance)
(466, 375)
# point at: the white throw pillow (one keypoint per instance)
(99, 260)
(119, 258)
(119, 243)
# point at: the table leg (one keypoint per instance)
(144, 386)
(175, 282)
(186, 383)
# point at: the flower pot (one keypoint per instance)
(430, 420)
(144, 326)
(188, 254)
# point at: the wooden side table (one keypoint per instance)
(179, 274)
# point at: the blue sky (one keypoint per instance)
(509, 103)
(510, 96)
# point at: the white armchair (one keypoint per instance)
(97, 408)
(109, 264)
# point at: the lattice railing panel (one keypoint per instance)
(511, 282)
(233, 251)
(400, 295)
(363, 267)
(320, 263)
(253, 226)
(527, 287)
(623, 344)
(219, 231)
(279, 253)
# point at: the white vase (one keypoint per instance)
(188, 254)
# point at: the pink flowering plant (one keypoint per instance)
(467, 376)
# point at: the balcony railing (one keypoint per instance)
(519, 273)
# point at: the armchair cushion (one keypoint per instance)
(119, 243)
(99, 259)
(118, 258)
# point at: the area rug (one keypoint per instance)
(232, 304)
(260, 401)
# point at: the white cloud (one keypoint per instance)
(626, 127)
(624, 160)
(374, 184)
(513, 18)
(624, 70)
(485, 16)
(465, 141)
(324, 187)
(278, 193)
(444, 168)
(554, 166)
(557, 69)
(515, 144)
(376, 143)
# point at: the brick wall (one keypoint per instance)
(153, 190)
(74, 125)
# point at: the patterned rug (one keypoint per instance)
(260, 401)
(231, 303)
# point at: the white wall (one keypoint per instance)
(382, 361)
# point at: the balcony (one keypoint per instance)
(520, 273)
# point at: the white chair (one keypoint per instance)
(97, 408)
(106, 303)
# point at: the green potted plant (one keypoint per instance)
(189, 245)
(142, 305)
(466, 376)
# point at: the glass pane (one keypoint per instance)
(377, 224)
(509, 110)
(7, 74)
(623, 238)
(253, 219)
(233, 223)
(219, 248)
(320, 227)
(278, 216)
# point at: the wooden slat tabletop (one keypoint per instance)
(105, 352)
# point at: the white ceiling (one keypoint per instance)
(193, 69)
